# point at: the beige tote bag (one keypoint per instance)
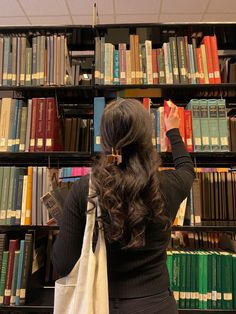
(85, 289)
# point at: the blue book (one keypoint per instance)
(116, 68)
(14, 125)
(20, 269)
(99, 105)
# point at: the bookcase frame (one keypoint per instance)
(42, 299)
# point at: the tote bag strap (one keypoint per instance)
(90, 222)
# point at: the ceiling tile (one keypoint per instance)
(144, 18)
(136, 6)
(179, 18)
(219, 17)
(219, 6)
(105, 7)
(82, 19)
(79, 7)
(183, 6)
(106, 19)
(50, 20)
(10, 8)
(44, 7)
(14, 21)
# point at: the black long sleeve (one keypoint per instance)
(131, 273)
(176, 184)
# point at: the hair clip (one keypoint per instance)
(115, 157)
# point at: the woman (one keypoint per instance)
(138, 203)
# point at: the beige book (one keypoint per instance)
(5, 123)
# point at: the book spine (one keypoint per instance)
(40, 125)
(3, 275)
(34, 118)
(148, 46)
(209, 61)
(223, 125)
(116, 69)
(188, 130)
(213, 125)
(174, 57)
(215, 59)
(28, 210)
(204, 121)
(99, 104)
(196, 124)
(13, 246)
(14, 278)
(19, 274)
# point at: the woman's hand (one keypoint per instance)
(172, 121)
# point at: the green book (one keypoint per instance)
(170, 267)
(214, 277)
(182, 280)
(204, 280)
(226, 280)
(200, 279)
(234, 281)
(4, 197)
(3, 275)
(188, 279)
(223, 125)
(193, 278)
(209, 279)
(14, 278)
(204, 121)
(218, 281)
(194, 106)
(176, 275)
(10, 196)
(213, 125)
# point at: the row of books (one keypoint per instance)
(203, 126)
(177, 61)
(214, 195)
(196, 240)
(22, 192)
(32, 127)
(37, 60)
(203, 279)
(77, 134)
(15, 269)
(212, 198)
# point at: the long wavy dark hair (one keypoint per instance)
(128, 193)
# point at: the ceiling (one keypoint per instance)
(79, 12)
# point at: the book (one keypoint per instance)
(13, 246)
(99, 105)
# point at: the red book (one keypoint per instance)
(40, 125)
(182, 123)
(147, 103)
(215, 59)
(13, 246)
(200, 66)
(188, 130)
(33, 125)
(167, 108)
(50, 123)
(206, 41)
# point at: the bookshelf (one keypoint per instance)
(82, 38)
